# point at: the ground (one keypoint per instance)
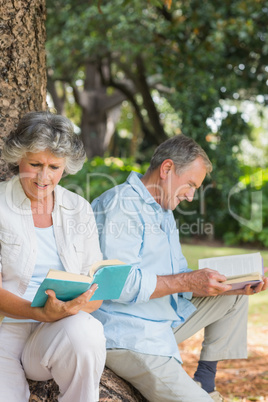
(237, 380)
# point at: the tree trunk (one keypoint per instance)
(98, 129)
(112, 388)
(22, 63)
(100, 111)
(158, 132)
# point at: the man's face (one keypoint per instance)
(176, 188)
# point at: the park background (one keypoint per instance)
(130, 74)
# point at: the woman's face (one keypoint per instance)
(39, 174)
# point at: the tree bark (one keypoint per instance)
(22, 63)
(158, 132)
(112, 388)
(100, 111)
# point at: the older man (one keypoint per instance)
(163, 302)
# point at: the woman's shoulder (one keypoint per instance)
(70, 200)
(9, 184)
(3, 185)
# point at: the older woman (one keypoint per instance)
(44, 226)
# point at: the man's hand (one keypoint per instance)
(207, 282)
(202, 282)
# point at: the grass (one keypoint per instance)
(258, 304)
(194, 253)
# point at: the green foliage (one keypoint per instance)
(99, 175)
(256, 233)
(197, 55)
(201, 52)
(193, 253)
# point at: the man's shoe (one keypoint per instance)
(215, 395)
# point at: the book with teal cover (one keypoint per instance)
(67, 286)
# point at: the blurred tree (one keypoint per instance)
(197, 56)
(193, 53)
(22, 63)
(109, 74)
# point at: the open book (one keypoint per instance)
(110, 275)
(240, 270)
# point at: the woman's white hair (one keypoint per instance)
(40, 131)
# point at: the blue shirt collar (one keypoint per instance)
(134, 180)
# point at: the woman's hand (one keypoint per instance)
(56, 309)
(93, 306)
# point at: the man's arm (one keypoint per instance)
(205, 282)
(202, 283)
(121, 237)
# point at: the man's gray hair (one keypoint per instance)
(40, 131)
(182, 150)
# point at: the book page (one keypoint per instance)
(234, 264)
(67, 276)
(99, 264)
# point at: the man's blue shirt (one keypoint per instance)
(134, 228)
